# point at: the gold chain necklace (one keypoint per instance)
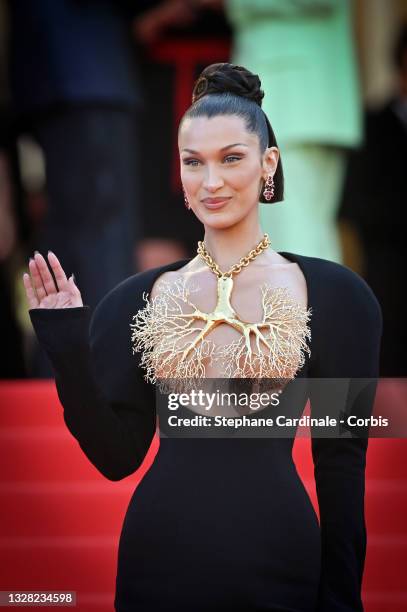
(243, 262)
(224, 311)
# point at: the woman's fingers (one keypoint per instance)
(36, 280)
(45, 274)
(76, 294)
(29, 291)
(42, 284)
(58, 271)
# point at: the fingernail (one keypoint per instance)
(31, 259)
(52, 252)
(36, 252)
(73, 277)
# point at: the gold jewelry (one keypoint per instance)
(243, 262)
(162, 330)
(224, 311)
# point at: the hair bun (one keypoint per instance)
(228, 78)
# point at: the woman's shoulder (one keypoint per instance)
(339, 288)
(332, 273)
(347, 321)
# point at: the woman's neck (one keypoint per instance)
(228, 246)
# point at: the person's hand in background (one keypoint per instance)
(41, 289)
(152, 23)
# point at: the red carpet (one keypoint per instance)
(54, 536)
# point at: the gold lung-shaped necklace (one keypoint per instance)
(224, 311)
(162, 330)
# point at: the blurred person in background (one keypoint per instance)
(12, 224)
(374, 206)
(175, 39)
(305, 53)
(12, 362)
(76, 90)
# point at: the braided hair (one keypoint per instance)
(227, 89)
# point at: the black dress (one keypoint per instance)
(223, 523)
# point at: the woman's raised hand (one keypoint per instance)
(40, 287)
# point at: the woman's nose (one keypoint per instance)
(212, 180)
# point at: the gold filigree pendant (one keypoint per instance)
(174, 347)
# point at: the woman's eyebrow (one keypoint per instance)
(235, 144)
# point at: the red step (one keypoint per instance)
(60, 519)
(69, 509)
(81, 564)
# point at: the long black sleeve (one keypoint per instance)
(107, 405)
(347, 345)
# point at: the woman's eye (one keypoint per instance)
(232, 158)
(191, 162)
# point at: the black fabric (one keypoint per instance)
(223, 524)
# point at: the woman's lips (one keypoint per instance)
(214, 203)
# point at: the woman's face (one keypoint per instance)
(222, 168)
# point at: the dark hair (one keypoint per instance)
(227, 89)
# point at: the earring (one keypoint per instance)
(269, 188)
(186, 200)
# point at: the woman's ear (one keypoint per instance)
(270, 160)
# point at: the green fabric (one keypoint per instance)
(282, 8)
(305, 222)
(304, 54)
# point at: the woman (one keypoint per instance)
(221, 524)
